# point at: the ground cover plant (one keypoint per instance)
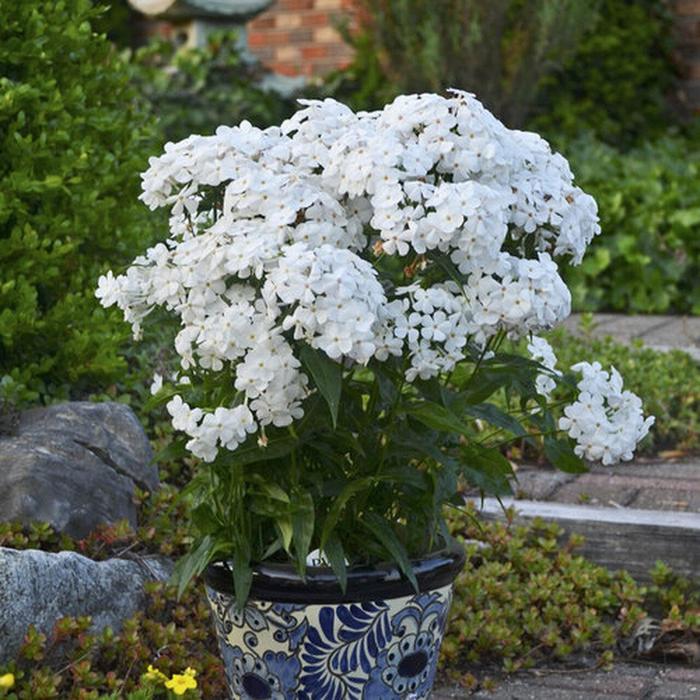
(73, 137)
(524, 599)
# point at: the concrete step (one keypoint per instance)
(617, 538)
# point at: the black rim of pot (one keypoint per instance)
(280, 583)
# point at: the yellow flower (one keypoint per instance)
(7, 681)
(189, 671)
(153, 674)
(180, 683)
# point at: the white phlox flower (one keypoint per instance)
(606, 421)
(279, 237)
(541, 351)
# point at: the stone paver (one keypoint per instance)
(623, 682)
(598, 492)
(655, 331)
(667, 499)
(540, 484)
(652, 486)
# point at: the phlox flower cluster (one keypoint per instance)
(606, 421)
(286, 235)
(541, 351)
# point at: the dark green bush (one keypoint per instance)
(648, 256)
(618, 81)
(73, 138)
(603, 66)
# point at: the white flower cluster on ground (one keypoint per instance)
(276, 236)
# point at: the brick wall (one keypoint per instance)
(297, 37)
(688, 48)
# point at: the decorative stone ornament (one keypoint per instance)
(195, 20)
(311, 642)
(240, 10)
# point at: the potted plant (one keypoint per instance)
(345, 284)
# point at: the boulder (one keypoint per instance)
(76, 466)
(38, 588)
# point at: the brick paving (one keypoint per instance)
(623, 682)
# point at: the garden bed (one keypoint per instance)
(523, 601)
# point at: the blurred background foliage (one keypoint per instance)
(194, 90)
(499, 49)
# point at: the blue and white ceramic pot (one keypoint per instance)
(306, 640)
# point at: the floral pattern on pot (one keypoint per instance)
(378, 650)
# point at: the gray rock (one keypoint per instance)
(75, 466)
(110, 430)
(38, 588)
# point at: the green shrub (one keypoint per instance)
(525, 599)
(617, 82)
(118, 20)
(647, 258)
(73, 139)
(194, 90)
(603, 66)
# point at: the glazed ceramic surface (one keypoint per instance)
(380, 650)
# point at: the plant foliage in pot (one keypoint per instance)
(345, 284)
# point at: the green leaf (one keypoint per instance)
(487, 469)
(193, 563)
(270, 489)
(483, 384)
(174, 450)
(302, 526)
(286, 531)
(496, 417)
(242, 576)
(327, 375)
(438, 418)
(336, 510)
(204, 519)
(161, 397)
(335, 554)
(383, 532)
(276, 448)
(562, 456)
